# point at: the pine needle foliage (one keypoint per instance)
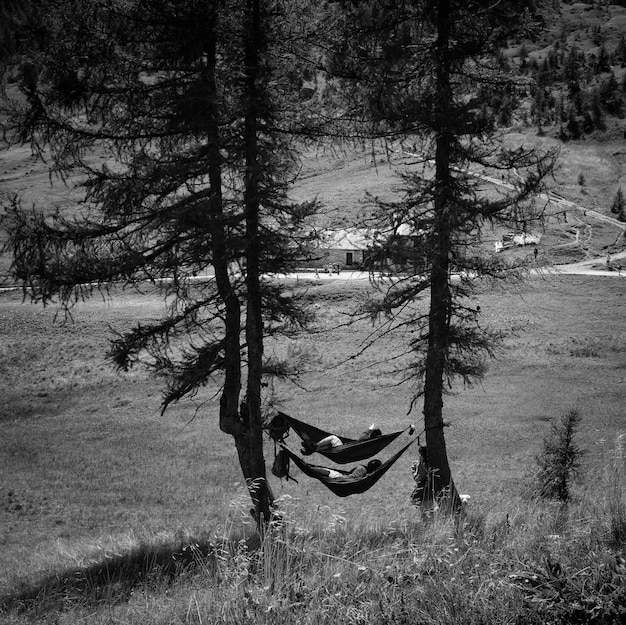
(560, 460)
(174, 124)
(424, 74)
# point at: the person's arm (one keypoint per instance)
(324, 444)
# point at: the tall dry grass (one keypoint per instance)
(530, 564)
(615, 495)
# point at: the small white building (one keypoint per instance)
(520, 239)
(526, 238)
(341, 249)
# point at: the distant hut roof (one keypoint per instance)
(405, 230)
(346, 239)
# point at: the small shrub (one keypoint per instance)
(566, 592)
(618, 207)
(584, 352)
(559, 462)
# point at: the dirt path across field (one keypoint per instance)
(591, 267)
(581, 235)
(615, 265)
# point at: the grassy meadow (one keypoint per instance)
(112, 513)
(99, 491)
(92, 471)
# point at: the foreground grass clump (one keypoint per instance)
(532, 564)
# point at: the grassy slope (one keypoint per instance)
(601, 157)
(89, 460)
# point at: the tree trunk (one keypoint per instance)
(440, 297)
(230, 422)
(257, 482)
(243, 422)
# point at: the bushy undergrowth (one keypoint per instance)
(534, 563)
(560, 458)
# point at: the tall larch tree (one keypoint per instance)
(14, 14)
(421, 74)
(175, 120)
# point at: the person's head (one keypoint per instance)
(308, 447)
(423, 452)
(374, 432)
(372, 465)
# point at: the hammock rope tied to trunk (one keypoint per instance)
(351, 450)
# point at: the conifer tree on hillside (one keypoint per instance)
(175, 119)
(419, 74)
(620, 51)
(610, 96)
(603, 64)
(13, 16)
(618, 207)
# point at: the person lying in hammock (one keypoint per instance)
(354, 474)
(309, 447)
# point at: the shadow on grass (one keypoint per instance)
(113, 579)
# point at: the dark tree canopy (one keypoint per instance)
(177, 121)
(14, 15)
(423, 74)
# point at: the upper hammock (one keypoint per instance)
(348, 485)
(350, 450)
